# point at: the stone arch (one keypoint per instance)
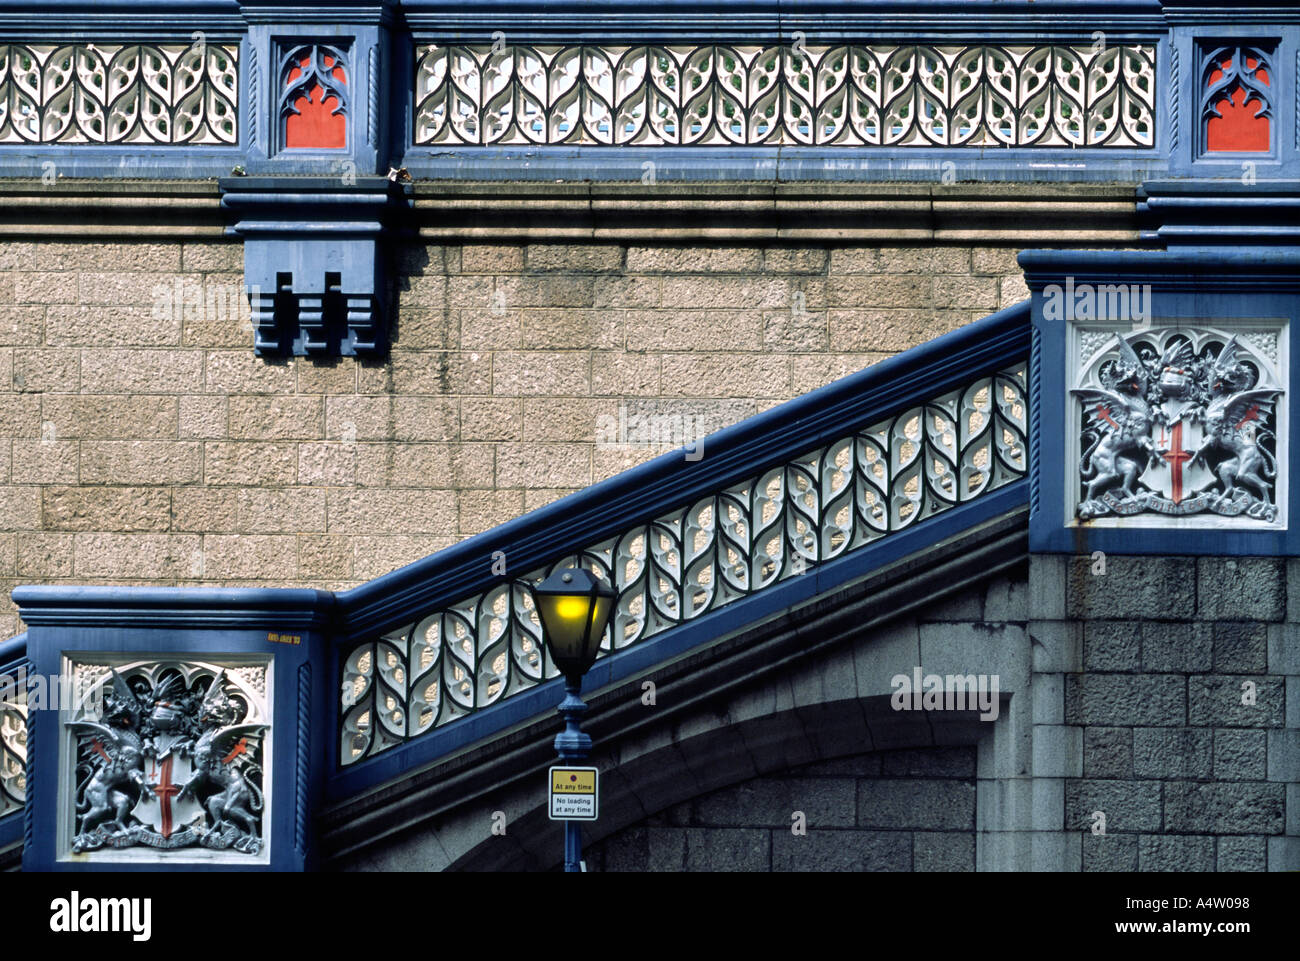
(643, 778)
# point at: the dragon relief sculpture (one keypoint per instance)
(153, 733)
(1179, 429)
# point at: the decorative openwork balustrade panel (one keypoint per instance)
(13, 749)
(170, 93)
(848, 95)
(773, 526)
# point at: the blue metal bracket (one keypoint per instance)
(316, 260)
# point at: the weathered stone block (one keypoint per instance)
(241, 372)
(44, 462)
(1242, 807)
(1240, 648)
(943, 851)
(1007, 599)
(250, 464)
(788, 330)
(910, 291)
(618, 292)
(924, 260)
(140, 462)
(834, 850)
(1177, 647)
(1153, 700)
(597, 329)
(1133, 588)
(1241, 754)
(1047, 587)
(203, 418)
(392, 512)
(205, 256)
(1242, 854)
(574, 257)
(491, 259)
(794, 260)
(324, 556)
(932, 762)
(458, 466)
(1112, 646)
(139, 555)
(44, 555)
(1173, 752)
(491, 419)
(1284, 648)
(287, 511)
(483, 510)
(680, 260)
(338, 375)
(543, 465)
(277, 418)
(21, 326)
(118, 325)
(110, 418)
(906, 803)
(329, 465)
(889, 328)
(1110, 852)
(723, 849)
(108, 371)
(489, 328)
(249, 556)
(375, 556)
(1129, 806)
(1217, 701)
(1241, 588)
(771, 802)
(810, 371)
(968, 293)
(1163, 852)
(106, 508)
(524, 373)
(202, 510)
(1107, 753)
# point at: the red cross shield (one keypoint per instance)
(1173, 474)
(166, 775)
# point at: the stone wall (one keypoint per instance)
(1185, 700)
(142, 442)
(886, 811)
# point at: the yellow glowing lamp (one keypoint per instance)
(574, 606)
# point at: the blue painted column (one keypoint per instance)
(147, 688)
(573, 746)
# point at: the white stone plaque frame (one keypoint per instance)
(86, 672)
(1264, 341)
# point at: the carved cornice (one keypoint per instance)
(767, 212)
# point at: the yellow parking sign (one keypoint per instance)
(574, 793)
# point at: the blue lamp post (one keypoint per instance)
(574, 607)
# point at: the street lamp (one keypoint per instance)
(574, 607)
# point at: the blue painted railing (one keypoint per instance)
(389, 610)
(1145, 52)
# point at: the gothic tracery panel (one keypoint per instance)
(1236, 98)
(313, 101)
(161, 93)
(847, 95)
(13, 747)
